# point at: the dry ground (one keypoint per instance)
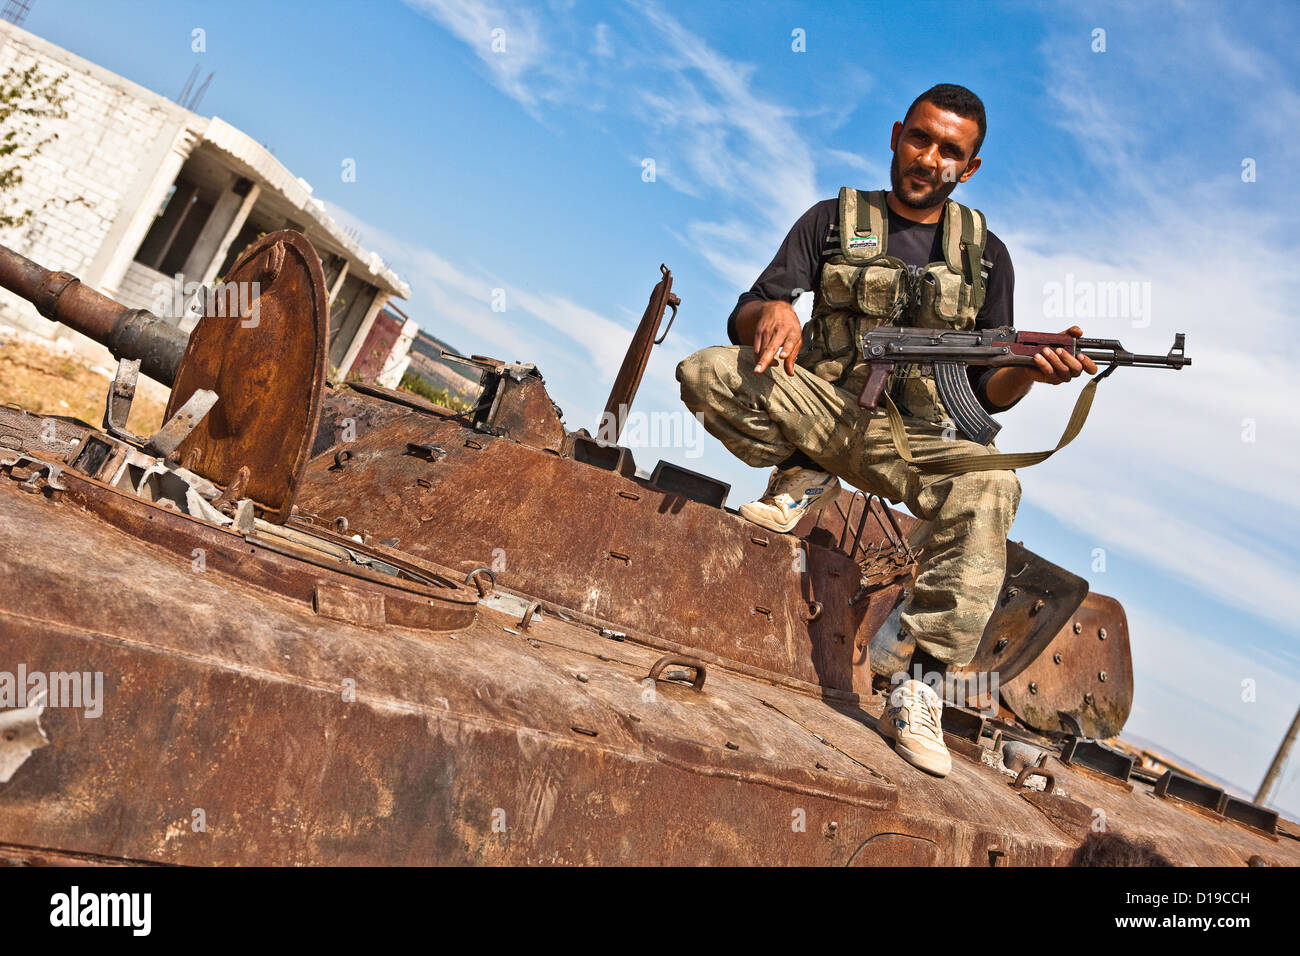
(46, 379)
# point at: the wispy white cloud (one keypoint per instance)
(601, 46)
(511, 41)
(575, 347)
(1236, 567)
(743, 146)
(871, 170)
(604, 340)
(707, 130)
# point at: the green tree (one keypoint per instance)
(27, 98)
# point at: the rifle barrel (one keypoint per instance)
(1120, 357)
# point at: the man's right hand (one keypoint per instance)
(778, 330)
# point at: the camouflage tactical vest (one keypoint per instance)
(863, 287)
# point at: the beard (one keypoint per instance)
(926, 198)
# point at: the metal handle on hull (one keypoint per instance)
(667, 659)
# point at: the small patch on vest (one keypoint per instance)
(865, 242)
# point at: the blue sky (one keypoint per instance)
(481, 169)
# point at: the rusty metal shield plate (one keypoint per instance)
(1037, 598)
(261, 346)
(1086, 672)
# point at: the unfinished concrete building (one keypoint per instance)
(146, 201)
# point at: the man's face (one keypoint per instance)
(932, 154)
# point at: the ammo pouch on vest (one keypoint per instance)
(862, 287)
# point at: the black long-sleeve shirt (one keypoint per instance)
(815, 237)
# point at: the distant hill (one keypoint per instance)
(1172, 757)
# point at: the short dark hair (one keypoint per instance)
(1111, 849)
(955, 99)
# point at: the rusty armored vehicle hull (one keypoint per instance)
(341, 625)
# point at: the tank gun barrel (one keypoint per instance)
(127, 333)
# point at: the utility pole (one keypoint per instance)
(1279, 761)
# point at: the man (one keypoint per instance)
(786, 396)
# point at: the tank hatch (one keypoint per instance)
(261, 347)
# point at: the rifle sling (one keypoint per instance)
(962, 464)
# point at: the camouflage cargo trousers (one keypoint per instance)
(763, 419)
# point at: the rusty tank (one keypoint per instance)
(339, 624)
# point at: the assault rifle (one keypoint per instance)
(948, 352)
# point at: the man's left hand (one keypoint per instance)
(1057, 366)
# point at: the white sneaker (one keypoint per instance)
(791, 495)
(913, 718)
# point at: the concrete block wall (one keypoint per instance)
(79, 184)
(141, 286)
